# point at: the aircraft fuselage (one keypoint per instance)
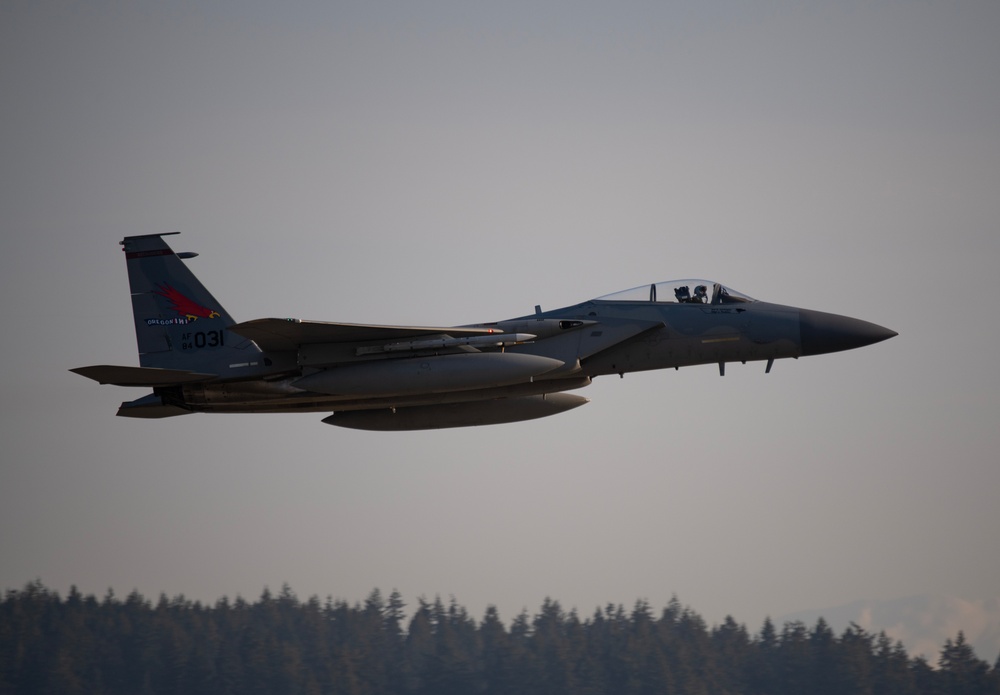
(196, 358)
(596, 339)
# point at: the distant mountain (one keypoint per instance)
(921, 623)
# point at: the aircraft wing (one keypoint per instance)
(288, 334)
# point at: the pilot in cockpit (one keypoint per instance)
(683, 295)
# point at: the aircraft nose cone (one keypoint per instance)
(822, 332)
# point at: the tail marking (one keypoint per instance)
(187, 308)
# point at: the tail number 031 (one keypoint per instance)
(199, 339)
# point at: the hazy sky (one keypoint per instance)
(454, 162)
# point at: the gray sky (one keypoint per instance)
(453, 162)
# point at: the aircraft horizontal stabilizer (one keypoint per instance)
(140, 376)
(150, 407)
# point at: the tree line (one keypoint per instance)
(280, 644)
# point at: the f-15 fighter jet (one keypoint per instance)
(196, 358)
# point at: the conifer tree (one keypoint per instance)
(280, 644)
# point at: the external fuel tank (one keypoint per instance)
(435, 374)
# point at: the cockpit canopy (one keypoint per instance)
(680, 292)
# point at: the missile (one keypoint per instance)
(540, 328)
(478, 341)
(430, 417)
(436, 374)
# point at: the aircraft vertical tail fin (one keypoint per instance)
(178, 323)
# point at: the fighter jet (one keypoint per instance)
(197, 358)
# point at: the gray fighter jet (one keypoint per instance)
(196, 358)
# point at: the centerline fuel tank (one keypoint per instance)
(430, 417)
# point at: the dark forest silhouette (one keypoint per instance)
(279, 644)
